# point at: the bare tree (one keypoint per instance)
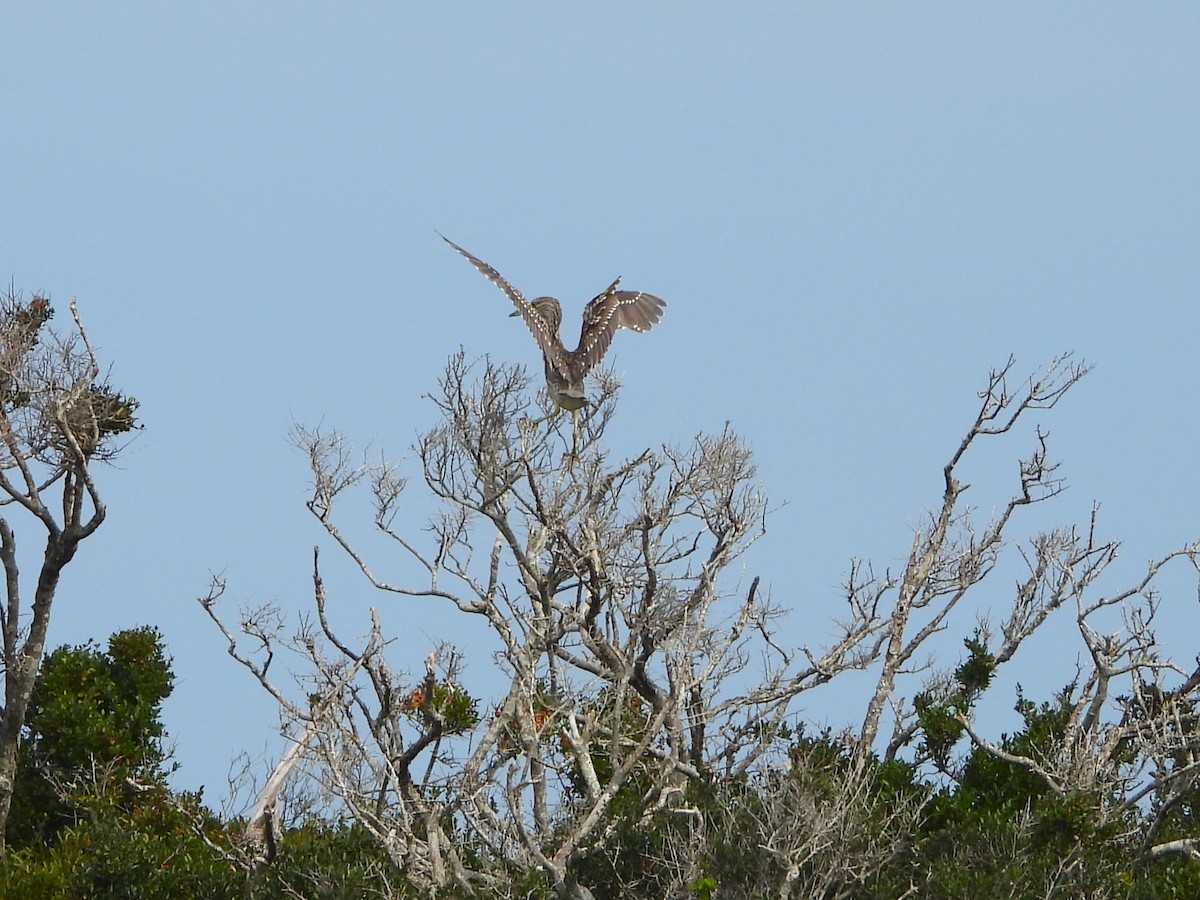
(1127, 735)
(619, 632)
(56, 420)
(634, 662)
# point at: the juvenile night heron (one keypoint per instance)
(602, 317)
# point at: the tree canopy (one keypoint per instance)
(645, 733)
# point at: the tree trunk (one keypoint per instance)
(21, 661)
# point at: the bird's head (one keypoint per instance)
(548, 309)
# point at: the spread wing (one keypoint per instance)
(607, 313)
(543, 333)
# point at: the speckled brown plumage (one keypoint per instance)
(602, 317)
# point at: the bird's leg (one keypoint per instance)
(574, 434)
(573, 454)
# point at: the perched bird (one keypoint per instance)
(602, 317)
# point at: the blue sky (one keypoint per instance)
(853, 210)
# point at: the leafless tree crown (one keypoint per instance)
(633, 660)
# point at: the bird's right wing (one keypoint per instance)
(546, 339)
(610, 311)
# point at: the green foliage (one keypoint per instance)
(166, 848)
(93, 715)
(940, 728)
(457, 709)
(340, 862)
(100, 413)
(152, 850)
(939, 711)
(113, 411)
(1000, 830)
(92, 817)
(975, 674)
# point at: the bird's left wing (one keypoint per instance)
(547, 341)
(607, 313)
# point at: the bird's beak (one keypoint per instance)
(514, 313)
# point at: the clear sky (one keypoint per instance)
(854, 211)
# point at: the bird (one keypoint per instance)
(608, 312)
